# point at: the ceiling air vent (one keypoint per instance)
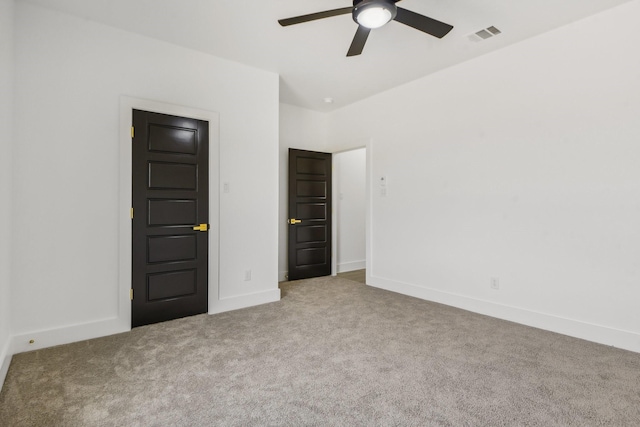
(484, 34)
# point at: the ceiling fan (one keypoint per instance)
(370, 14)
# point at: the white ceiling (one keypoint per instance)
(310, 57)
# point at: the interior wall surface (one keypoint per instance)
(350, 173)
(302, 129)
(513, 181)
(6, 193)
(70, 76)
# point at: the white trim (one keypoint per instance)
(5, 361)
(127, 104)
(355, 145)
(588, 331)
(65, 335)
(352, 266)
(244, 301)
(369, 215)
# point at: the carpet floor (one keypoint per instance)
(332, 352)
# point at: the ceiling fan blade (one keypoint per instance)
(313, 16)
(423, 23)
(358, 41)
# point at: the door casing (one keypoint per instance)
(366, 143)
(335, 241)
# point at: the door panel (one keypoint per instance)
(171, 248)
(317, 211)
(311, 189)
(310, 205)
(170, 197)
(172, 176)
(311, 257)
(315, 233)
(172, 212)
(172, 140)
(173, 284)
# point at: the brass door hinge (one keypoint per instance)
(132, 132)
(131, 213)
(131, 294)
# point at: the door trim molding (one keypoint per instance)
(367, 144)
(127, 104)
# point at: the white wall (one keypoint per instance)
(349, 173)
(70, 75)
(520, 165)
(301, 129)
(6, 116)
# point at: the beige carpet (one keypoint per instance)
(332, 352)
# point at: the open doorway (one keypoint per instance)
(350, 184)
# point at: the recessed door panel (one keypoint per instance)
(175, 284)
(316, 189)
(172, 140)
(171, 248)
(174, 176)
(312, 211)
(312, 234)
(172, 212)
(311, 256)
(311, 166)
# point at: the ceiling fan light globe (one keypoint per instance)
(374, 17)
(374, 13)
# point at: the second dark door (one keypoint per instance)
(309, 214)
(170, 217)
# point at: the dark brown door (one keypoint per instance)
(170, 200)
(309, 214)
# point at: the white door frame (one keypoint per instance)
(365, 143)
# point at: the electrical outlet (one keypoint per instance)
(247, 275)
(495, 283)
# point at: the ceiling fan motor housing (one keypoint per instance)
(361, 8)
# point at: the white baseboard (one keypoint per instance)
(5, 361)
(66, 335)
(351, 266)
(74, 333)
(591, 332)
(244, 301)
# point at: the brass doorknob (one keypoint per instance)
(294, 221)
(201, 227)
